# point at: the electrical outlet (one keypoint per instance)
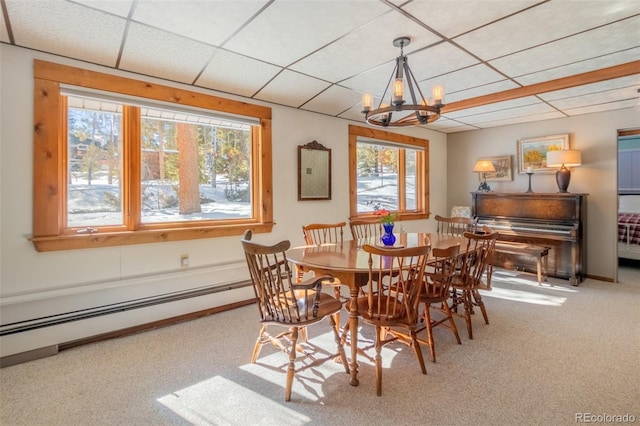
(184, 260)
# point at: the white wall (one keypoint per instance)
(593, 134)
(33, 284)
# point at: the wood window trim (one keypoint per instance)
(49, 160)
(422, 170)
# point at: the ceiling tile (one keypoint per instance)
(289, 30)
(358, 51)
(501, 114)
(229, 72)
(161, 54)
(495, 107)
(458, 129)
(67, 29)
(596, 98)
(291, 88)
(205, 20)
(445, 124)
(627, 83)
(120, 7)
(602, 41)
(333, 101)
(629, 103)
(600, 62)
(603, 106)
(439, 59)
(446, 16)
(560, 19)
(487, 89)
(372, 81)
(520, 119)
(464, 79)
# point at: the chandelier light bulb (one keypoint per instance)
(367, 100)
(398, 91)
(438, 94)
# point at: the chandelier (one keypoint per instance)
(419, 111)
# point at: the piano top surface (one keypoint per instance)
(521, 207)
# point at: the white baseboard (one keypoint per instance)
(35, 321)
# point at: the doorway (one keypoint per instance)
(628, 206)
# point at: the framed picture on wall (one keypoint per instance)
(532, 152)
(502, 165)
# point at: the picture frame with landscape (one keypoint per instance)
(502, 165)
(532, 152)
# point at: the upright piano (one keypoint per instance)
(557, 221)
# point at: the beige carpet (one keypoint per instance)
(550, 353)
(629, 271)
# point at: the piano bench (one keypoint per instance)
(540, 253)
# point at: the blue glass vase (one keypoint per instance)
(388, 239)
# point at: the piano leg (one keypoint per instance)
(573, 279)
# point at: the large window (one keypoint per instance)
(388, 171)
(124, 162)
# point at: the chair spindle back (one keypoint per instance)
(455, 226)
(365, 228)
(395, 281)
(323, 233)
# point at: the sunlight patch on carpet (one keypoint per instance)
(222, 402)
(525, 296)
(311, 375)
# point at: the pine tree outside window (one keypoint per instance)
(133, 167)
(388, 171)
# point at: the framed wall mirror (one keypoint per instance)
(314, 172)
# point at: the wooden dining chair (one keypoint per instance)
(285, 304)
(392, 298)
(324, 233)
(455, 226)
(365, 228)
(435, 293)
(468, 279)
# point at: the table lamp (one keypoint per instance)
(482, 167)
(563, 159)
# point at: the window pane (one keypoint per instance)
(411, 179)
(94, 146)
(193, 168)
(377, 177)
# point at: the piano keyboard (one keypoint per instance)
(528, 227)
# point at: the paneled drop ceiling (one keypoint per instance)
(500, 61)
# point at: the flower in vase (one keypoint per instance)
(386, 217)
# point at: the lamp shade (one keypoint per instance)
(565, 157)
(484, 166)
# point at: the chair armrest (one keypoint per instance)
(314, 284)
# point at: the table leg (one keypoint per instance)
(353, 326)
(539, 270)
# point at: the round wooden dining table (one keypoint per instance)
(349, 263)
